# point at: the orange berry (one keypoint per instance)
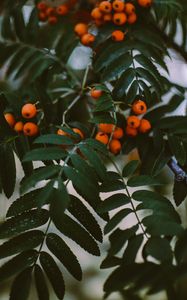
(42, 16)
(133, 122)
(62, 10)
(139, 107)
(131, 131)
(29, 111)
(115, 146)
(105, 6)
(50, 11)
(145, 126)
(132, 18)
(102, 137)
(119, 18)
(118, 35)
(95, 93)
(118, 133)
(129, 8)
(42, 6)
(78, 131)
(10, 119)
(96, 13)
(145, 3)
(118, 5)
(81, 29)
(107, 17)
(18, 127)
(30, 129)
(106, 128)
(52, 20)
(87, 39)
(99, 22)
(62, 132)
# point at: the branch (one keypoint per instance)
(180, 174)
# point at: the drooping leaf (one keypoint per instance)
(41, 285)
(21, 285)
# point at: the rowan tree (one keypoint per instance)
(77, 124)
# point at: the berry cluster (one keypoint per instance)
(109, 134)
(28, 112)
(51, 13)
(118, 12)
(134, 124)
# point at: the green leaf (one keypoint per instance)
(26, 221)
(83, 185)
(43, 173)
(60, 200)
(110, 262)
(41, 286)
(119, 65)
(50, 153)
(157, 225)
(21, 285)
(177, 148)
(119, 237)
(116, 219)
(17, 264)
(132, 249)
(23, 242)
(78, 234)
(53, 273)
(179, 192)
(113, 202)
(60, 249)
(7, 169)
(85, 218)
(54, 139)
(94, 159)
(123, 83)
(143, 180)
(130, 168)
(46, 194)
(159, 248)
(24, 203)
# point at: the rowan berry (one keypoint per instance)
(50, 11)
(145, 3)
(30, 129)
(52, 20)
(132, 18)
(96, 13)
(119, 18)
(106, 128)
(62, 10)
(118, 35)
(107, 17)
(10, 119)
(81, 29)
(102, 137)
(118, 5)
(95, 93)
(99, 22)
(87, 39)
(18, 127)
(145, 126)
(105, 7)
(131, 131)
(42, 6)
(115, 146)
(78, 131)
(129, 8)
(118, 133)
(139, 107)
(133, 122)
(29, 111)
(42, 16)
